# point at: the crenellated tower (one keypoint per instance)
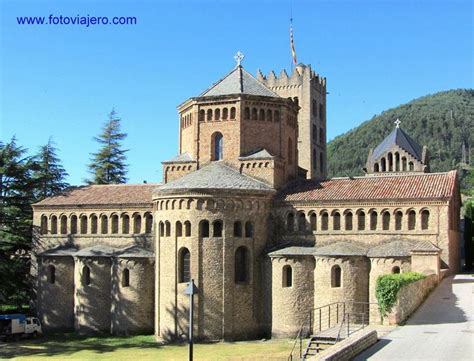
(308, 89)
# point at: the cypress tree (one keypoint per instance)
(108, 164)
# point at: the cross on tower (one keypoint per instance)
(397, 123)
(239, 57)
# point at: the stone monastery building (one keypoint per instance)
(246, 210)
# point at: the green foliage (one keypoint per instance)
(444, 122)
(469, 234)
(387, 287)
(467, 182)
(108, 164)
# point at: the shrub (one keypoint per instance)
(387, 288)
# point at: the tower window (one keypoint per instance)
(217, 228)
(301, 222)
(321, 112)
(54, 225)
(269, 115)
(348, 219)
(321, 162)
(290, 222)
(315, 163)
(51, 274)
(321, 135)
(179, 229)
(315, 133)
(287, 276)
(336, 276)
(218, 142)
(312, 219)
(425, 219)
(373, 221)
(204, 229)
(411, 220)
(202, 115)
(114, 220)
(241, 265)
(254, 113)
(324, 221)
(73, 224)
(248, 229)
(336, 218)
(104, 224)
(125, 278)
(217, 114)
(209, 114)
(187, 229)
(277, 116)
(261, 115)
(137, 224)
(184, 265)
(83, 224)
(315, 108)
(386, 221)
(361, 221)
(125, 224)
(232, 113)
(290, 151)
(86, 275)
(238, 229)
(398, 220)
(94, 224)
(148, 223)
(246, 113)
(44, 224)
(63, 225)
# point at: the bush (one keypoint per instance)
(387, 287)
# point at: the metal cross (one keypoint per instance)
(397, 123)
(239, 57)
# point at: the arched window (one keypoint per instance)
(232, 113)
(63, 224)
(73, 224)
(336, 219)
(217, 228)
(376, 168)
(204, 229)
(312, 221)
(254, 114)
(125, 278)
(225, 113)
(269, 115)
(184, 265)
(54, 224)
(125, 224)
(209, 114)
(247, 113)
(290, 151)
(238, 229)
(404, 164)
(287, 276)
(373, 220)
(396, 270)
(83, 224)
(411, 220)
(202, 115)
(425, 219)
(217, 114)
(336, 274)
(167, 229)
(348, 221)
(301, 222)
(397, 162)
(51, 274)
(115, 223)
(324, 221)
(411, 166)
(248, 229)
(104, 224)
(398, 220)
(86, 276)
(290, 222)
(277, 116)
(382, 165)
(361, 221)
(162, 229)
(386, 221)
(187, 229)
(148, 223)
(218, 146)
(179, 229)
(137, 224)
(390, 162)
(44, 224)
(242, 265)
(261, 115)
(94, 224)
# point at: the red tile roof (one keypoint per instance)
(129, 194)
(410, 186)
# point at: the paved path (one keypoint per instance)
(441, 329)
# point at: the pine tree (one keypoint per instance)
(108, 164)
(48, 174)
(16, 196)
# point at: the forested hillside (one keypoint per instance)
(443, 121)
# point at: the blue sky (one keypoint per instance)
(63, 80)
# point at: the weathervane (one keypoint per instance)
(397, 123)
(239, 57)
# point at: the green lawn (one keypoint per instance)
(138, 348)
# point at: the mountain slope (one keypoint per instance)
(443, 121)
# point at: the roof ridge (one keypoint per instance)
(388, 175)
(245, 175)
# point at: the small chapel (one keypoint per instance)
(246, 210)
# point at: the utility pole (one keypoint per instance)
(191, 290)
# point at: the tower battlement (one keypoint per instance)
(300, 74)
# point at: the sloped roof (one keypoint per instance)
(113, 194)
(239, 81)
(293, 251)
(402, 248)
(403, 140)
(180, 158)
(134, 252)
(96, 251)
(341, 249)
(406, 186)
(260, 153)
(60, 251)
(99, 251)
(216, 175)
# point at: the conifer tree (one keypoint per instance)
(48, 174)
(108, 164)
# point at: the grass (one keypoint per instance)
(138, 348)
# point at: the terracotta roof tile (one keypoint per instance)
(136, 194)
(410, 186)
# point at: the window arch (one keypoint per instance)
(404, 164)
(232, 113)
(137, 223)
(277, 116)
(86, 275)
(321, 162)
(254, 114)
(382, 165)
(336, 219)
(396, 270)
(321, 112)
(125, 278)
(54, 224)
(218, 146)
(148, 223)
(204, 228)
(261, 114)
(390, 161)
(324, 221)
(425, 219)
(44, 224)
(290, 151)
(83, 224)
(125, 224)
(237, 229)
(187, 229)
(63, 224)
(301, 222)
(217, 228)
(247, 113)
(336, 275)
(94, 224)
(104, 224)
(217, 114)
(51, 274)
(361, 221)
(411, 219)
(287, 276)
(209, 114)
(225, 113)
(397, 162)
(312, 221)
(248, 229)
(411, 166)
(290, 222)
(398, 220)
(202, 115)
(269, 115)
(376, 168)
(348, 221)
(162, 229)
(73, 224)
(184, 265)
(386, 221)
(242, 265)
(167, 229)
(115, 226)
(179, 229)
(373, 220)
